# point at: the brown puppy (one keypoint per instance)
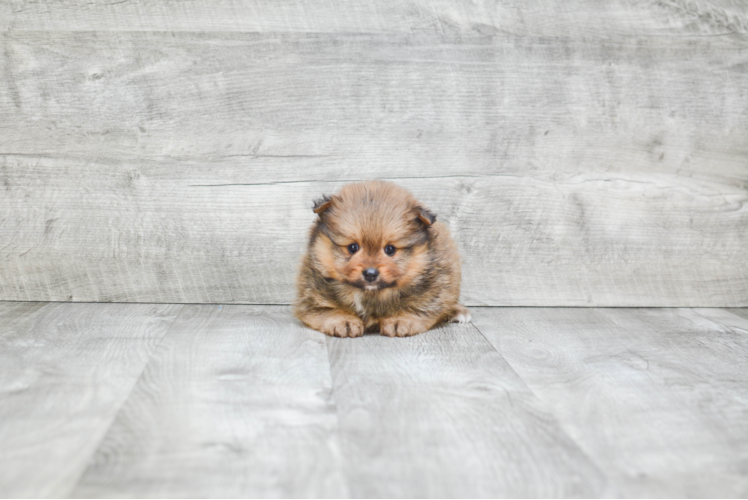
(378, 260)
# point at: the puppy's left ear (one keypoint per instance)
(322, 204)
(426, 216)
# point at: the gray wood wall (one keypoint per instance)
(582, 152)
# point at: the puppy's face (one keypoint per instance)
(372, 236)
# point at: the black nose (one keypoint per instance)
(370, 274)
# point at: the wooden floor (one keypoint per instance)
(158, 400)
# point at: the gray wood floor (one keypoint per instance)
(119, 400)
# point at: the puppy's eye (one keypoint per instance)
(389, 250)
(353, 248)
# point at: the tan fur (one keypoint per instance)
(417, 288)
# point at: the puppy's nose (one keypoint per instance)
(370, 274)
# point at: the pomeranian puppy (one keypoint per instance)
(378, 261)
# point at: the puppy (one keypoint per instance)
(378, 261)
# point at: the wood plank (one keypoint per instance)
(743, 313)
(586, 18)
(442, 415)
(734, 319)
(656, 398)
(233, 107)
(587, 240)
(135, 165)
(236, 403)
(65, 370)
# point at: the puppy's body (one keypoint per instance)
(377, 260)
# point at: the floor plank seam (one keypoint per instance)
(334, 400)
(562, 428)
(161, 303)
(496, 348)
(714, 321)
(104, 434)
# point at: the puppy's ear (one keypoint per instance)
(322, 204)
(426, 216)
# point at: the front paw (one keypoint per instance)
(343, 326)
(460, 314)
(403, 326)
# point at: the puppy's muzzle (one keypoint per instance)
(370, 274)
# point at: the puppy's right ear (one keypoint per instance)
(322, 204)
(426, 216)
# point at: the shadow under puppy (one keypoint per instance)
(378, 260)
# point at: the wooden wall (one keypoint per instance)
(583, 152)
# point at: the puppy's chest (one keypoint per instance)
(367, 305)
(358, 304)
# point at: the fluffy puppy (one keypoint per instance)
(377, 260)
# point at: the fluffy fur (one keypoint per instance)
(417, 287)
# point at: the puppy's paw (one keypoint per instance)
(403, 326)
(460, 314)
(340, 325)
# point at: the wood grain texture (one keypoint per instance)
(587, 18)
(241, 401)
(234, 107)
(236, 403)
(178, 166)
(743, 313)
(65, 370)
(734, 319)
(656, 398)
(441, 415)
(586, 240)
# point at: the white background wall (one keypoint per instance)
(582, 152)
